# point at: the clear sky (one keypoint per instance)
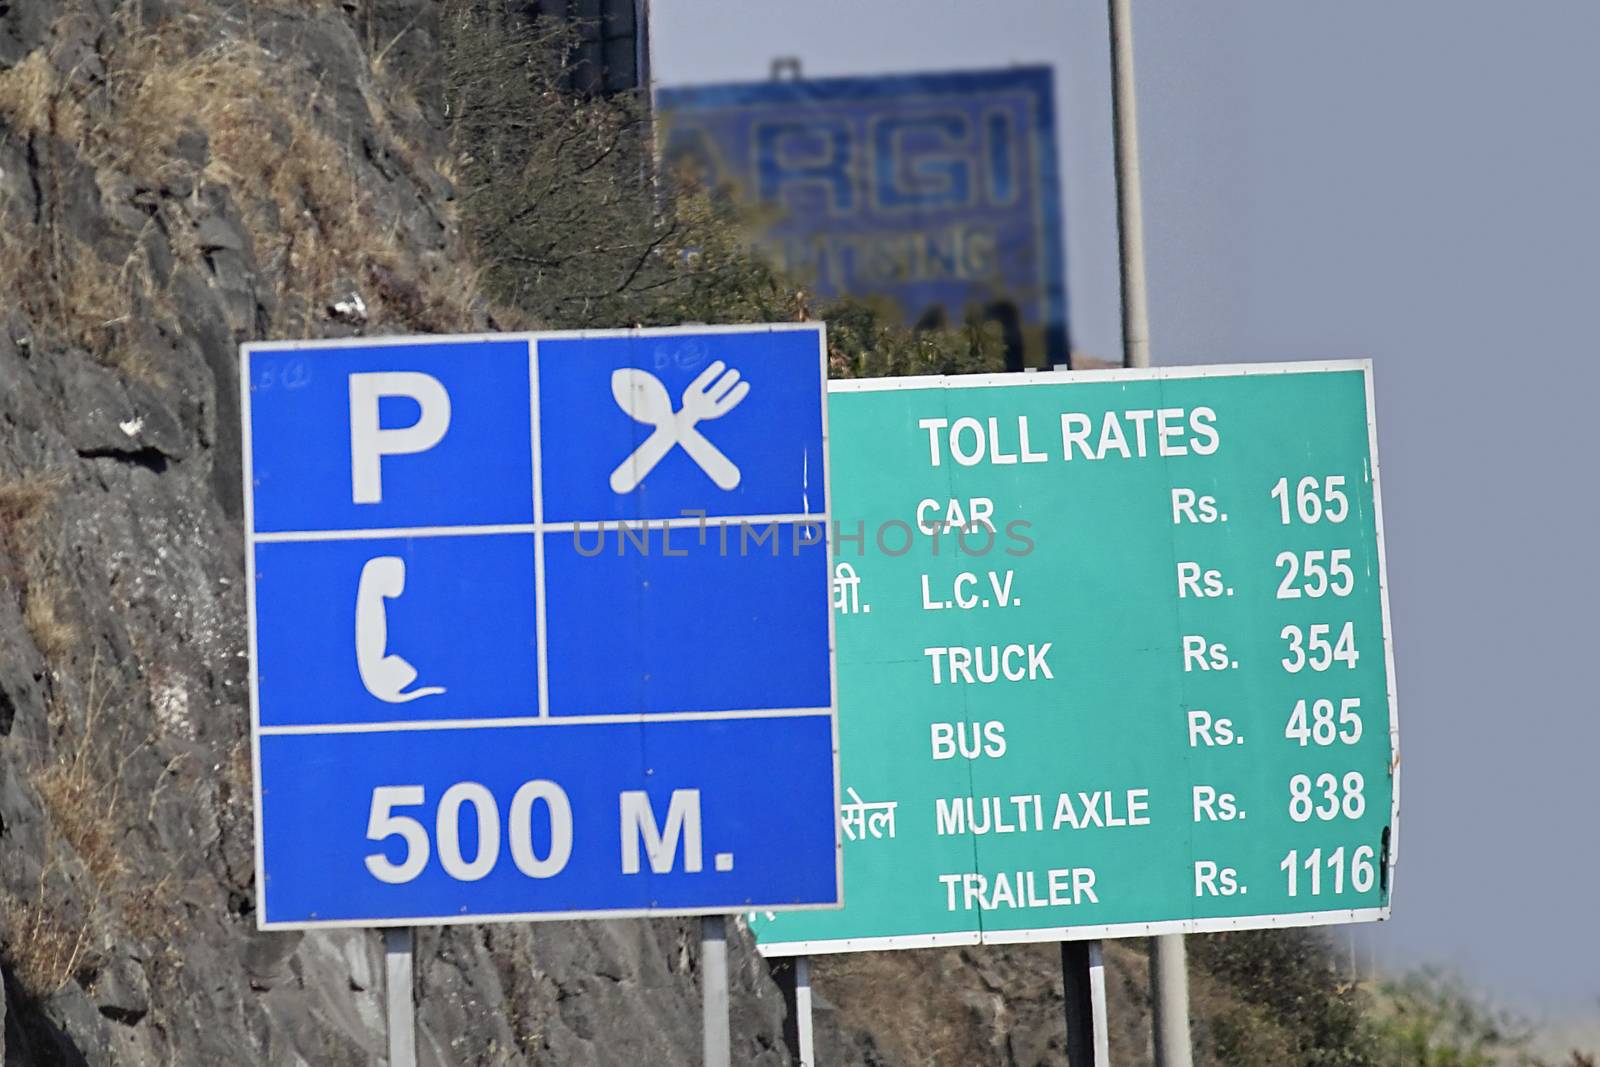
(1414, 182)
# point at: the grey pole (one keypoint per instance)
(1169, 975)
(1130, 213)
(1169, 1001)
(718, 1045)
(398, 971)
(802, 1011)
(1083, 980)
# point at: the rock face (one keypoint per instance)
(177, 176)
(991, 1005)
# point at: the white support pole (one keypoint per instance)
(717, 1042)
(398, 944)
(802, 1011)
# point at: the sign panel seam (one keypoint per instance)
(541, 612)
(639, 718)
(680, 522)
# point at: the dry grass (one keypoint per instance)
(25, 94)
(238, 779)
(33, 101)
(53, 634)
(83, 785)
(95, 305)
(271, 138)
(53, 275)
(60, 281)
(44, 948)
(267, 131)
(150, 915)
(20, 256)
(82, 788)
(24, 503)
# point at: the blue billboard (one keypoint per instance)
(937, 192)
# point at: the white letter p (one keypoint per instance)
(369, 443)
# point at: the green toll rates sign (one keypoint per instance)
(1113, 657)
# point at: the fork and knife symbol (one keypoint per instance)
(714, 393)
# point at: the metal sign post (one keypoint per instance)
(1130, 202)
(805, 1036)
(1083, 980)
(717, 1042)
(1169, 1001)
(398, 954)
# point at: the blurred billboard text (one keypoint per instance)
(937, 192)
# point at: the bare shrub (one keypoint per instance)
(556, 195)
(573, 227)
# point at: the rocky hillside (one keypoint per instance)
(178, 176)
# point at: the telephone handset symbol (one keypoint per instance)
(385, 674)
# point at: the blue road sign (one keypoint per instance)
(540, 626)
